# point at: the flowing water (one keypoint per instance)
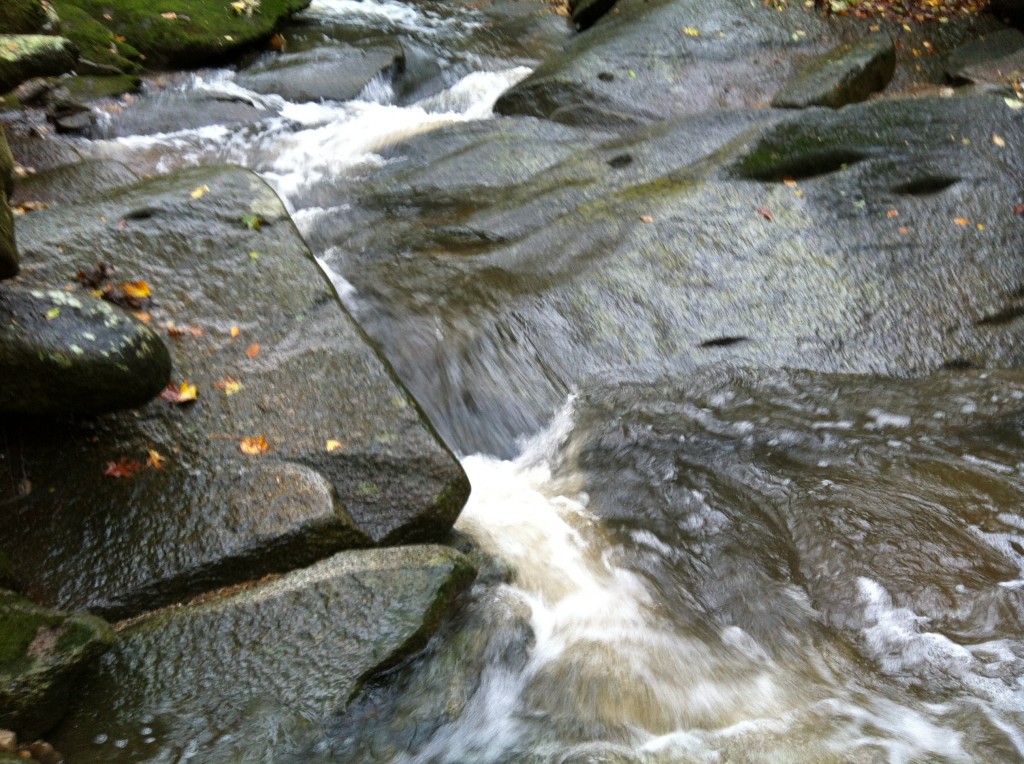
(763, 568)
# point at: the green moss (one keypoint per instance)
(16, 634)
(21, 16)
(95, 41)
(199, 32)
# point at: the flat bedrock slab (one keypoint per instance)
(846, 74)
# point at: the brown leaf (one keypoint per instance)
(180, 331)
(1018, 209)
(766, 213)
(122, 468)
(646, 219)
(178, 395)
(93, 277)
(254, 446)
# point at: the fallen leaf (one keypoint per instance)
(253, 350)
(892, 214)
(766, 213)
(903, 229)
(1018, 209)
(200, 192)
(254, 446)
(691, 31)
(334, 445)
(143, 316)
(646, 219)
(254, 256)
(170, 15)
(789, 182)
(961, 221)
(122, 468)
(998, 140)
(186, 393)
(155, 459)
(52, 313)
(252, 221)
(137, 289)
(235, 331)
(229, 385)
(96, 276)
(180, 331)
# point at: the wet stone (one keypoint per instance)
(64, 354)
(42, 653)
(8, 248)
(30, 55)
(349, 460)
(252, 675)
(847, 74)
(70, 182)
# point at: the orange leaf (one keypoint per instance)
(184, 394)
(136, 289)
(229, 385)
(961, 221)
(334, 445)
(789, 182)
(253, 350)
(180, 331)
(122, 468)
(892, 214)
(143, 316)
(254, 446)
(155, 459)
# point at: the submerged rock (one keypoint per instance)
(67, 354)
(847, 74)
(252, 675)
(25, 56)
(339, 453)
(42, 652)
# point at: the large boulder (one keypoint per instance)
(33, 55)
(193, 33)
(846, 74)
(42, 653)
(253, 675)
(64, 354)
(821, 239)
(301, 441)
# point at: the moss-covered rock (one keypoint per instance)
(193, 33)
(22, 17)
(41, 653)
(23, 56)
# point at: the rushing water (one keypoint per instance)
(758, 570)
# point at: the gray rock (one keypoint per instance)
(253, 675)
(334, 73)
(42, 653)
(639, 65)
(535, 260)
(26, 56)
(846, 74)
(70, 182)
(38, 154)
(996, 58)
(64, 354)
(8, 247)
(219, 251)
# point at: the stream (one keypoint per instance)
(775, 567)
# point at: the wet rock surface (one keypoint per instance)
(42, 654)
(25, 56)
(821, 240)
(253, 675)
(847, 74)
(8, 247)
(221, 261)
(63, 354)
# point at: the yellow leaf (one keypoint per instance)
(155, 459)
(137, 289)
(235, 331)
(334, 445)
(254, 446)
(691, 32)
(229, 385)
(184, 394)
(200, 192)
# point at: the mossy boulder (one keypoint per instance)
(8, 248)
(192, 33)
(42, 652)
(23, 56)
(22, 17)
